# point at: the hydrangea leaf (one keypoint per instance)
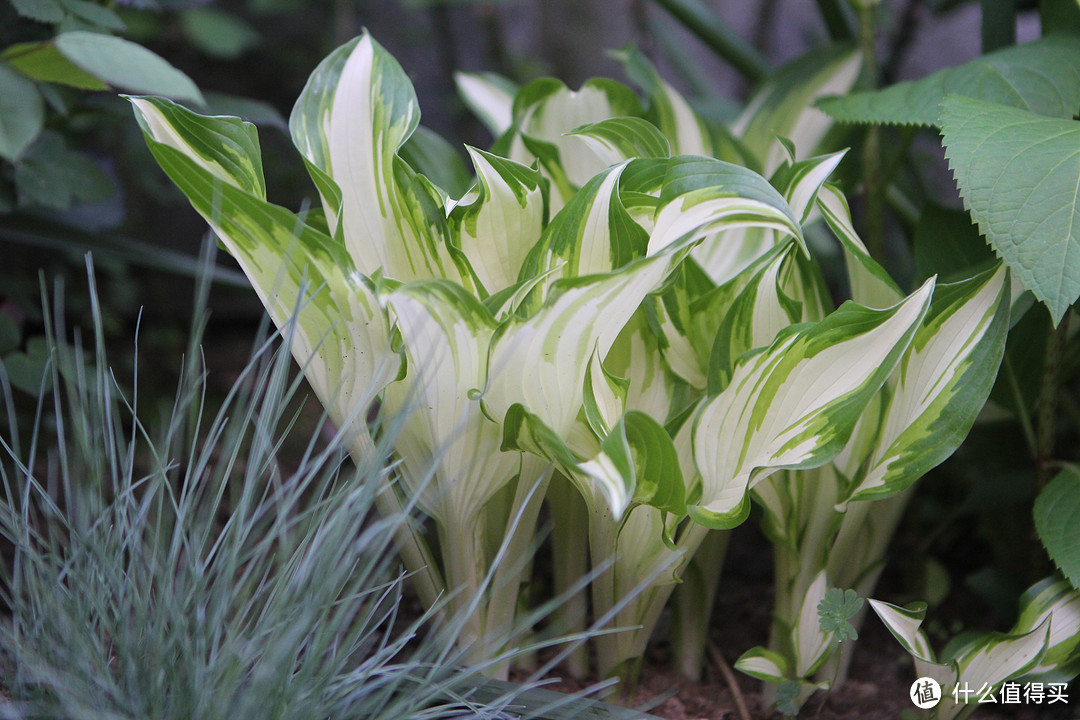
(1042, 77)
(1057, 517)
(1019, 176)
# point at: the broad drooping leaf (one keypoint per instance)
(342, 335)
(42, 61)
(1057, 519)
(1042, 77)
(1019, 176)
(22, 113)
(490, 97)
(1058, 600)
(123, 64)
(794, 404)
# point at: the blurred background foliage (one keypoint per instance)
(75, 175)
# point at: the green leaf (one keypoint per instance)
(22, 113)
(254, 111)
(44, 63)
(10, 334)
(838, 607)
(795, 404)
(94, 14)
(46, 11)
(217, 33)
(437, 160)
(763, 664)
(1057, 520)
(27, 371)
(52, 176)
(1019, 175)
(125, 65)
(1042, 77)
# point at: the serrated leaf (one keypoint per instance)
(94, 14)
(126, 65)
(1057, 520)
(44, 63)
(1042, 77)
(22, 113)
(46, 11)
(1019, 175)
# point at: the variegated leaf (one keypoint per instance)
(540, 360)
(1059, 601)
(795, 403)
(679, 123)
(356, 111)
(619, 139)
(446, 334)
(490, 97)
(763, 664)
(783, 106)
(870, 284)
(498, 225)
(942, 383)
(811, 643)
(342, 337)
(756, 316)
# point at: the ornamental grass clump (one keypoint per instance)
(179, 568)
(609, 318)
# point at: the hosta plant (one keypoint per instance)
(642, 330)
(1043, 647)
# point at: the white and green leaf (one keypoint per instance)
(942, 383)
(794, 404)
(356, 111)
(342, 337)
(784, 106)
(497, 226)
(490, 97)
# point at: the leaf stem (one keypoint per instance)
(998, 24)
(836, 20)
(1048, 402)
(874, 205)
(697, 18)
